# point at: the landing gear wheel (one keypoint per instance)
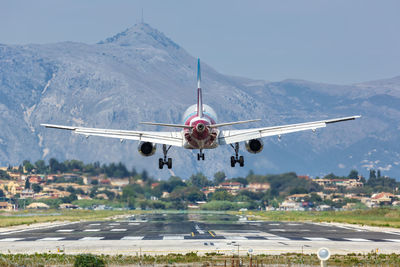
(164, 161)
(236, 159)
(169, 163)
(233, 162)
(241, 161)
(198, 156)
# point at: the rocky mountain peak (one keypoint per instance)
(140, 34)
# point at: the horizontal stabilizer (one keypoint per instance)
(231, 123)
(167, 125)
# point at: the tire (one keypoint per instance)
(169, 163)
(198, 156)
(160, 163)
(233, 161)
(202, 157)
(241, 161)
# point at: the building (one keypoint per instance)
(6, 206)
(258, 187)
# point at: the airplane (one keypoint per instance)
(201, 131)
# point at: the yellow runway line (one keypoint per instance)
(211, 233)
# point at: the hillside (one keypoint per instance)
(142, 75)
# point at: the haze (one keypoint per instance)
(338, 42)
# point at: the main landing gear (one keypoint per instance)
(165, 161)
(200, 155)
(236, 159)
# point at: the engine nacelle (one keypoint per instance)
(147, 149)
(254, 146)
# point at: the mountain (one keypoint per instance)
(142, 75)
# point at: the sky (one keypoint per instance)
(341, 41)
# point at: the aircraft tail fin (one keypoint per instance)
(199, 93)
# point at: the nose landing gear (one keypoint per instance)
(165, 160)
(200, 155)
(236, 159)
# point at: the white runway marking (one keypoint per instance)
(273, 224)
(10, 239)
(276, 238)
(92, 230)
(94, 224)
(51, 239)
(88, 238)
(391, 240)
(114, 224)
(278, 230)
(65, 230)
(357, 239)
(133, 223)
(132, 238)
(317, 238)
(294, 224)
(171, 237)
(118, 230)
(235, 237)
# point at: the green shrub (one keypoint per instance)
(88, 260)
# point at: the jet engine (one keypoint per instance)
(147, 149)
(254, 146)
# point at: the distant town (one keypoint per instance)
(74, 185)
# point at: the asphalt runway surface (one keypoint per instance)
(198, 231)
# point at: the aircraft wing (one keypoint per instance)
(165, 138)
(235, 136)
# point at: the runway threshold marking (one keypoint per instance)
(392, 240)
(51, 239)
(89, 238)
(317, 238)
(10, 239)
(132, 238)
(177, 237)
(357, 239)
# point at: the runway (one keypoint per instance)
(159, 233)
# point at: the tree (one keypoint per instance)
(1, 193)
(40, 166)
(222, 195)
(28, 166)
(379, 174)
(372, 174)
(36, 188)
(199, 180)
(219, 177)
(353, 174)
(27, 184)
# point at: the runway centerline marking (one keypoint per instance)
(88, 238)
(118, 230)
(114, 224)
(92, 230)
(65, 230)
(94, 224)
